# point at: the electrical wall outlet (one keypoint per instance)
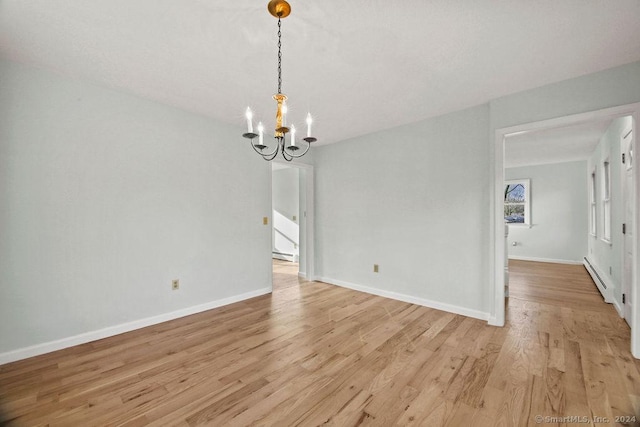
(375, 268)
(175, 284)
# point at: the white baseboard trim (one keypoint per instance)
(551, 260)
(493, 321)
(618, 308)
(408, 298)
(281, 257)
(598, 275)
(48, 347)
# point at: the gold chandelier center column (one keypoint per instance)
(280, 117)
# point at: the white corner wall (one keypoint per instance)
(559, 212)
(104, 199)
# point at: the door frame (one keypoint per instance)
(498, 250)
(624, 283)
(308, 245)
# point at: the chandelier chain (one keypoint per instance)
(279, 57)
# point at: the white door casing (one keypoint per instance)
(626, 147)
(498, 252)
(306, 215)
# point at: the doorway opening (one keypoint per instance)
(627, 270)
(285, 204)
(628, 231)
(292, 221)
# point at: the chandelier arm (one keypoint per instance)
(284, 153)
(286, 156)
(279, 147)
(301, 154)
(271, 156)
(262, 153)
(267, 156)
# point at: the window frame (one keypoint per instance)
(593, 205)
(526, 183)
(606, 200)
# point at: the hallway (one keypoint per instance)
(574, 346)
(562, 285)
(285, 274)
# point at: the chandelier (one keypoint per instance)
(289, 149)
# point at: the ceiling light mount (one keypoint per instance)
(279, 9)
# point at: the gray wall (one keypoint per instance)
(414, 200)
(608, 88)
(559, 213)
(105, 198)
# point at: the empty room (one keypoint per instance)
(319, 213)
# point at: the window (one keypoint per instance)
(516, 202)
(606, 201)
(592, 204)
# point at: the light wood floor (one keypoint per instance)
(316, 354)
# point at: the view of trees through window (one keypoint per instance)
(514, 203)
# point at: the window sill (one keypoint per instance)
(518, 225)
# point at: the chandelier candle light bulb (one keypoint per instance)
(293, 136)
(309, 120)
(260, 130)
(284, 113)
(249, 115)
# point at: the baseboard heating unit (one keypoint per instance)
(597, 279)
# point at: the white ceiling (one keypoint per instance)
(359, 66)
(557, 145)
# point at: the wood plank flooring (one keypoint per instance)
(539, 282)
(315, 354)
